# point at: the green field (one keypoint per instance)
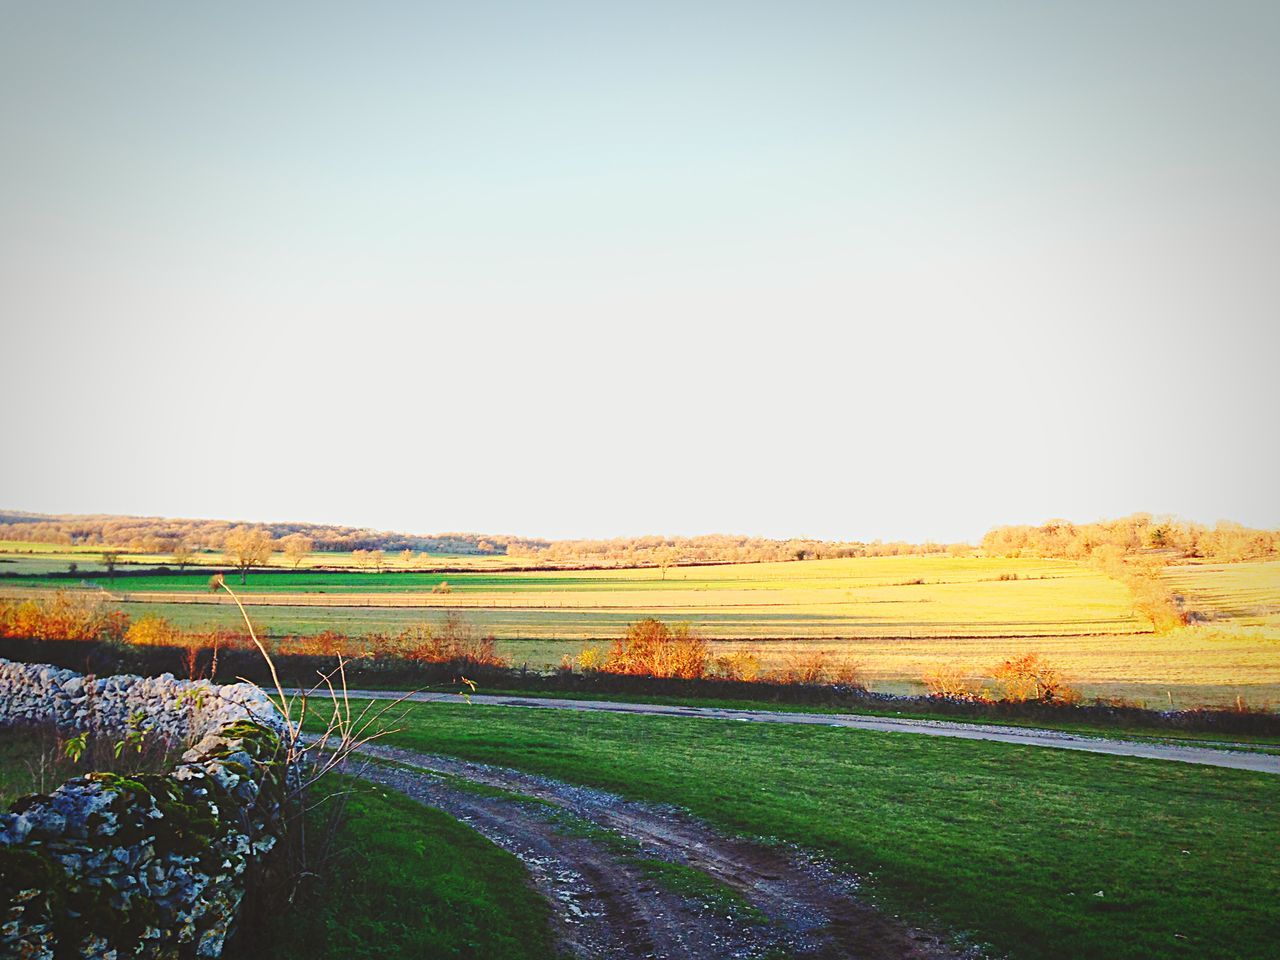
(945, 832)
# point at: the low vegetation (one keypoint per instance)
(1104, 856)
(36, 759)
(407, 882)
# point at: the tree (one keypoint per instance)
(379, 557)
(182, 555)
(246, 547)
(664, 557)
(109, 560)
(359, 556)
(407, 556)
(296, 547)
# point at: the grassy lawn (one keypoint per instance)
(1085, 728)
(411, 882)
(1007, 843)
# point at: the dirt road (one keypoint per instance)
(1027, 736)
(632, 881)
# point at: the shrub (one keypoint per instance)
(743, 665)
(652, 648)
(591, 658)
(64, 616)
(952, 681)
(817, 667)
(1031, 677)
(150, 630)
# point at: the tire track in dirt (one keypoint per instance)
(606, 865)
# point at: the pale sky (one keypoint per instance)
(832, 269)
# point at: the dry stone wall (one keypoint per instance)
(153, 865)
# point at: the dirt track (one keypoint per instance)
(592, 856)
(1027, 736)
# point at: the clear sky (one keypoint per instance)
(835, 269)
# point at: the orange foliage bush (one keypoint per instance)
(64, 616)
(1032, 677)
(651, 648)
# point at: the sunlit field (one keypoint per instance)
(895, 617)
(868, 597)
(1247, 594)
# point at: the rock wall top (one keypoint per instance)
(180, 711)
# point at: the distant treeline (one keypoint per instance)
(1057, 538)
(1134, 534)
(163, 535)
(717, 548)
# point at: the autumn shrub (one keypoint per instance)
(815, 668)
(652, 648)
(326, 643)
(151, 630)
(742, 665)
(454, 640)
(1031, 677)
(952, 681)
(591, 658)
(64, 616)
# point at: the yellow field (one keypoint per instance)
(1246, 594)
(896, 617)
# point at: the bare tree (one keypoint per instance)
(182, 555)
(109, 560)
(247, 547)
(664, 557)
(407, 556)
(296, 547)
(379, 558)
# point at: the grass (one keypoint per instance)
(955, 832)
(20, 757)
(412, 882)
(1118, 731)
(34, 760)
(694, 884)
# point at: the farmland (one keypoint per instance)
(896, 618)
